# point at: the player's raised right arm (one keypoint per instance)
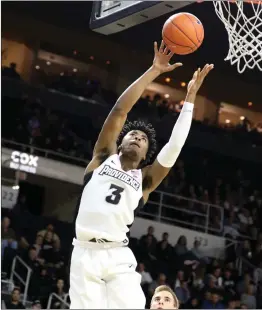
(106, 142)
(116, 119)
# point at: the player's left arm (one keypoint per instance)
(154, 174)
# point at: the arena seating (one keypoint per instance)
(232, 183)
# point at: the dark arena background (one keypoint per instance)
(64, 64)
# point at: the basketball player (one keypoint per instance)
(118, 181)
(164, 298)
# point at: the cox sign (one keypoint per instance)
(24, 162)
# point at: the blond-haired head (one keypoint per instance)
(164, 298)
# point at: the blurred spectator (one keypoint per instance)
(182, 292)
(193, 304)
(181, 246)
(214, 302)
(8, 236)
(179, 278)
(198, 253)
(216, 277)
(60, 291)
(51, 234)
(15, 303)
(198, 279)
(38, 245)
(48, 252)
(164, 249)
(145, 276)
(10, 71)
(161, 280)
(247, 250)
(55, 259)
(36, 304)
(42, 283)
(33, 261)
(243, 283)
(258, 273)
(150, 232)
(248, 298)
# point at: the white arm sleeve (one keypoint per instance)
(169, 153)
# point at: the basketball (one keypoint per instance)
(183, 33)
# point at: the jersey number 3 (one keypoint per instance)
(115, 194)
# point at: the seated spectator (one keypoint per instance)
(47, 247)
(179, 278)
(243, 283)
(10, 71)
(231, 227)
(161, 280)
(198, 279)
(246, 251)
(149, 249)
(55, 259)
(258, 274)
(210, 287)
(15, 303)
(44, 283)
(38, 245)
(164, 249)
(8, 236)
(182, 293)
(49, 228)
(217, 278)
(245, 219)
(257, 257)
(228, 280)
(145, 276)
(181, 246)
(231, 304)
(36, 304)
(248, 298)
(34, 126)
(198, 253)
(150, 232)
(60, 291)
(33, 261)
(214, 303)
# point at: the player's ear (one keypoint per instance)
(119, 148)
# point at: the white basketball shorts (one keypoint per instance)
(103, 276)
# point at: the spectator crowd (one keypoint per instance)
(200, 282)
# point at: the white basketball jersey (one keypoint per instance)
(109, 199)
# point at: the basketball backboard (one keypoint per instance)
(109, 17)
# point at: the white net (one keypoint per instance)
(243, 22)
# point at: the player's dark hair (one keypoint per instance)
(148, 129)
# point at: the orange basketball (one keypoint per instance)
(183, 33)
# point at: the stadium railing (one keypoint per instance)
(25, 281)
(164, 207)
(44, 152)
(62, 300)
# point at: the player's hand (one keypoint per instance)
(198, 78)
(162, 57)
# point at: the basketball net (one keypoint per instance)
(244, 32)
